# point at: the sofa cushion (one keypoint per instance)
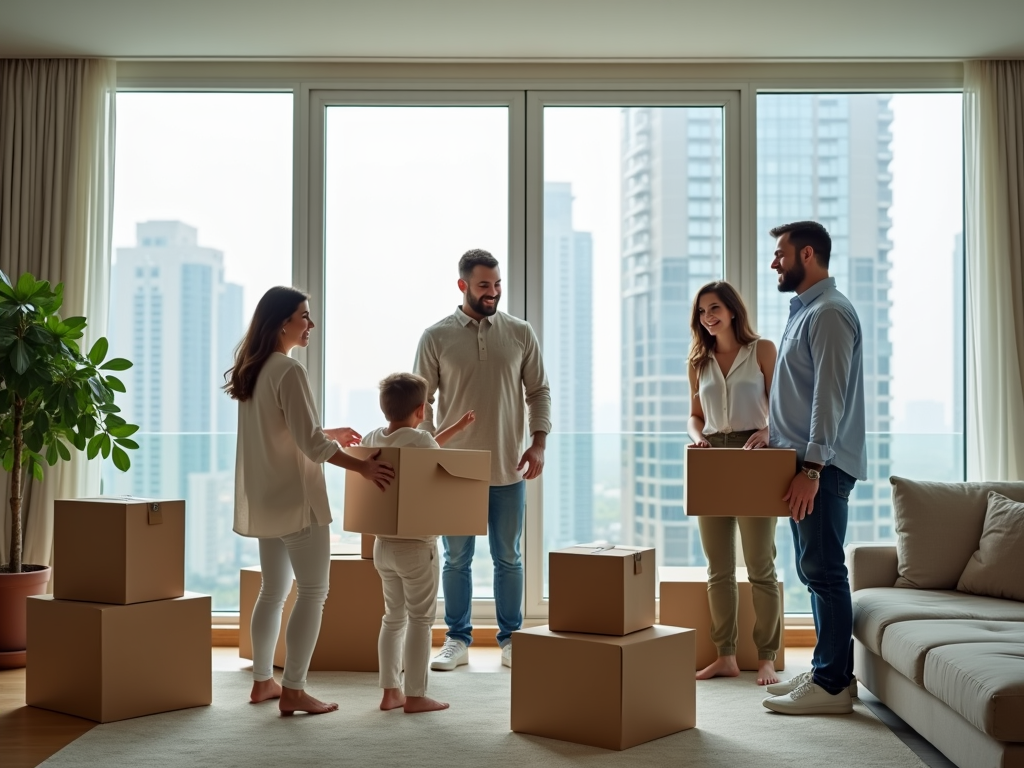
(877, 608)
(996, 569)
(983, 682)
(906, 643)
(938, 526)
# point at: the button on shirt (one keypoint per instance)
(493, 367)
(817, 398)
(735, 402)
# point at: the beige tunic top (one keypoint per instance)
(279, 477)
(493, 367)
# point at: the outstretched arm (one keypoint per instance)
(445, 435)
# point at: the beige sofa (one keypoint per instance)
(939, 618)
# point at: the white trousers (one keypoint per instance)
(307, 555)
(409, 573)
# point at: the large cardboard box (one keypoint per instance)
(622, 691)
(601, 590)
(732, 482)
(351, 620)
(684, 603)
(436, 491)
(118, 549)
(111, 662)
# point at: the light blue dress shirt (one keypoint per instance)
(816, 404)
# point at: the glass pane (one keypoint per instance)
(408, 190)
(632, 228)
(884, 174)
(202, 227)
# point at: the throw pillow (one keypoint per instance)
(996, 569)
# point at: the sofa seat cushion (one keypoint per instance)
(983, 682)
(906, 644)
(876, 608)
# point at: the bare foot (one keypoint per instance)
(293, 700)
(393, 698)
(264, 690)
(423, 704)
(723, 666)
(766, 672)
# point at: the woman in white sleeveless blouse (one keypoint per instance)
(730, 375)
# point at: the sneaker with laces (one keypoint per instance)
(788, 686)
(454, 653)
(810, 699)
(506, 656)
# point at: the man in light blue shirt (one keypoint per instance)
(816, 407)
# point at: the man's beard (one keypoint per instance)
(792, 279)
(477, 304)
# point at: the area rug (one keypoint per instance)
(733, 731)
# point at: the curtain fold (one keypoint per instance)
(56, 216)
(994, 265)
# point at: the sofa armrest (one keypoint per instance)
(871, 565)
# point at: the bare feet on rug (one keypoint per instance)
(423, 704)
(393, 698)
(766, 674)
(264, 690)
(293, 700)
(723, 666)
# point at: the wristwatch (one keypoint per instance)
(812, 474)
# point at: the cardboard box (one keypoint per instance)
(684, 603)
(622, 691)
(601, 590)
(351, 620)
(111, 662)
(366, 546)
(732, 482)
(436, 491)
(118, 549)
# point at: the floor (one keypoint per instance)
(28, 735)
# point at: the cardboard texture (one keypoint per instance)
(351, 620)
(606, 591)
(366, 546)
(118, 550)
(624, 691)
(732, 482)
(684, 603)
(436, 492)
(111, 662)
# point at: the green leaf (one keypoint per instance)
(37, 470)
(98, 351)
(121, 430)
(63, 450)
(79, 441)
(9, 460)
(20, 357)
(26, 285)
(115, 383)
(121, 460)
(130, 444)
(105, 446)
(74, 323)
(94, 445)
(115, 421)
(87, 425)
(116, 364)
(51, 453)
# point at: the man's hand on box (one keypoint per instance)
(344, 435)
(380, 473)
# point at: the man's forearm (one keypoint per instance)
(540, 439)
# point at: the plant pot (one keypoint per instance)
(14, 589)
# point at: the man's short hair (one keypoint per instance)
(401, 394)
(475, 258)
(804, 233)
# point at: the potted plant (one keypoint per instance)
(53, 398)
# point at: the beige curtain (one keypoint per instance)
(56, 195)
(994, 240)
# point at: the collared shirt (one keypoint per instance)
(735, 402)
(816, 404)
(493, 367)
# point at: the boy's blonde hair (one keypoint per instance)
(401, 394)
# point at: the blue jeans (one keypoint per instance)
(505, 512)
(821, 567)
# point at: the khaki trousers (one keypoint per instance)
(757, 537)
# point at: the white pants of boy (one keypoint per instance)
(307, 554)
(409, 572)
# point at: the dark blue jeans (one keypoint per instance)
(821, 567)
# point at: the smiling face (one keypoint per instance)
(714, 316)
(482, 292)
(295, 332)
(789, 264)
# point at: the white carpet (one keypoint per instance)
(733, 731)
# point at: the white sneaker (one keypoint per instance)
(788, 686)
(506, 656)
(811, 699)
(454, 653)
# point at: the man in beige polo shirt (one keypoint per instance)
(489, 362)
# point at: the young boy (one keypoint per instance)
(408, 567)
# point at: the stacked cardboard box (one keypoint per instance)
(629, 681)
(120, 637)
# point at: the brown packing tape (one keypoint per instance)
(156, 516)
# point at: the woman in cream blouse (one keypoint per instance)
(280, 493)
(730, 376)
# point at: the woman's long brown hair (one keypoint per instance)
(277, 305)
(702, 347)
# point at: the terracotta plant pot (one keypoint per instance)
(14, 589)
